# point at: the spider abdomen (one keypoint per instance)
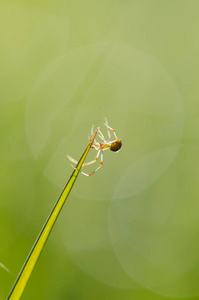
(116, 145)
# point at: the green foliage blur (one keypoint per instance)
(130, 231)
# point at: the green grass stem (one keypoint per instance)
(38, 246)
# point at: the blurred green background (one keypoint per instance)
(131, 230)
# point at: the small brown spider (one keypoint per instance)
(113, 145)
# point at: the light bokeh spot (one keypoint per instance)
(155, 232)
(131, 89)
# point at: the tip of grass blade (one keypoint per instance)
(94, 136)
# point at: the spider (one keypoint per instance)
(113, 145)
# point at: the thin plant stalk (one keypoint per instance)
(38, 246)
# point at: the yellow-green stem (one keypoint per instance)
(37, 248)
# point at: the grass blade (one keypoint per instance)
(38, 246)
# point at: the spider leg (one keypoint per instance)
(85, 164)
(93, 161)
(109, 128)
(92, 130)
(95, 143)
(101, 136)
(101, 163)
(90, 136)
(108, 131)
(96, 147)
(72, 159)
